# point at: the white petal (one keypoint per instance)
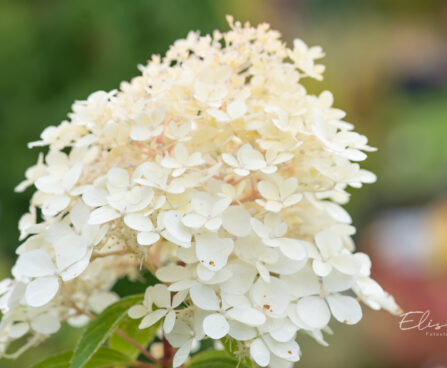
(250, 158)
(174, 226)
(95, 197)
(138, 222)
(50, 185)
(259, 228)
(168, 323)
(268, 190)
(314, 311)
(152, 318)
(337, 212)
(79, 216)
(237, 109)
(137, 311)
(260, 353)
(242, 278)
(18, 330)
(172, 273)
(147, 238)
(77, 268)
(213, 252)
(140, 133)
(180, 334)
(202, 203)
(214, 224)
(321, 268)
(272, 297)
(203, 273)
(248, 316)
(35, 263)
(182, 354)
(204, 297)
(236, 220)
(263, 271)
(69, 249)
(40, 291)
(179, 298)
(344, 308)
(292, 248)
(346, 263)
(288, 187)
(193, 220)
(46, 324)
(273, 206)
(230, 160)
(215, 326)
(293, 199)
(182, 285)
(220, 206)
(72, 176)
(161, 296)
(55, 204)
(337, 281)
(240, 331)
(328, 242)
(286, 350)
(303, 283)
(118, 177)
(282, 330)
(102, 215)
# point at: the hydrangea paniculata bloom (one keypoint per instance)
(218, 172)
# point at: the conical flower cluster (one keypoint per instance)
(219, 173)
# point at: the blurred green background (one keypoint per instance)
(387, 67)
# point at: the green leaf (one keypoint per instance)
(213, 359)
(56, 361)
(130, 327)
(99, 329)
(104, 357)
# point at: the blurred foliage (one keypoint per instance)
(386, 65)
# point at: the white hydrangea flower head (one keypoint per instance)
(220, 174)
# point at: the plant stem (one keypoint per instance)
(168, 353)
(135, 343)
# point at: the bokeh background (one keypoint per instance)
(387, 67)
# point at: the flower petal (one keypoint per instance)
(138, 222)
(344, 308)
(152, 318)
(168, 323)
(35, 263)
(204, 297)
(212, 251)
(147, 238)
(137, 311)
(240, 331)
(69, 249)
(260, 353)
(236, 220)
(102, 215)
(46, 324)
(314, 311)
(55, 204)
(215, 326)
(247, 316)
(272, 297)
(40, 291)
